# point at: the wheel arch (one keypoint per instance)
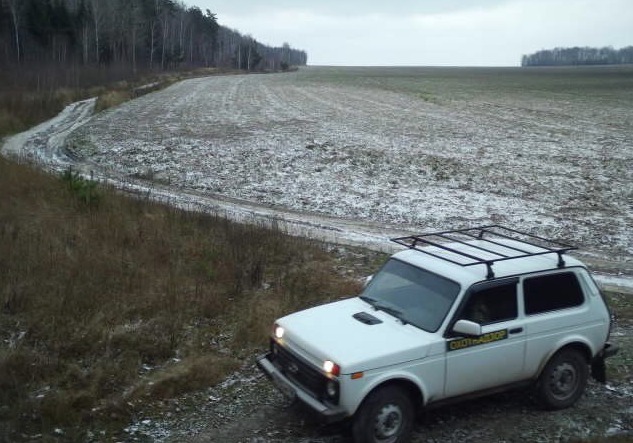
(578, 344)
(381, 416)
(409, 386)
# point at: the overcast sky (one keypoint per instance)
(427, 32)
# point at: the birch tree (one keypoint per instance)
(15, 8)
(96, 10)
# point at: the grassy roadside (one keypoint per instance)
(107, 302)
(620, 366)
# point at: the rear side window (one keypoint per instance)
(492, 304)
(551, 292)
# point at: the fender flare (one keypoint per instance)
(396, 377)
(575, 341)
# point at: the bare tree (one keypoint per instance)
(249, 42)
(96, 8)
(15, 7)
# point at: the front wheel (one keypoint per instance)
(386, 416)
(563, 380)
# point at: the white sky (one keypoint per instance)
(427, 32)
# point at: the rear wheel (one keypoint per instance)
(563, 380)
(386, 416)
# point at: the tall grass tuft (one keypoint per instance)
(102, 310)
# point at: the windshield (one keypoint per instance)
(411, 294)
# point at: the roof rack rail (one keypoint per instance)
(529, 245)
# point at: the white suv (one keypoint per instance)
(458, 313)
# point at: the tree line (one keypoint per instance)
(579, 56)
(139, 34)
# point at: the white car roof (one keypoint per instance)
(459, 267)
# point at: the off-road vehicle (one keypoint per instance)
(456, 314)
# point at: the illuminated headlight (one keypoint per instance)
(331, 368)
(279, 332)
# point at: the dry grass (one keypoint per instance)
(620, 366)
(95, 291)
(112, 98)
(20, 109)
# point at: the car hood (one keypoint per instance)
(330, 332)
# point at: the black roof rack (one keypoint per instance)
(529, 245)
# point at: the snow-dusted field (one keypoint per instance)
(397, 150)
(555, 163)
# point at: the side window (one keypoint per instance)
(551, 292)
(492, 304)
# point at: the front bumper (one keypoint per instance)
(293, 391)
(598, 366)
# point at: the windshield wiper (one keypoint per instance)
(382, 307)
(369, 300)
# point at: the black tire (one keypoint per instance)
(563, 380)
(386, 416)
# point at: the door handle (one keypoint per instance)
(515, 330)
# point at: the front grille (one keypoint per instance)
(299, 371)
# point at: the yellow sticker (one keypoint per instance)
(463, 343)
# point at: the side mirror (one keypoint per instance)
(467, 327)
(367, 280)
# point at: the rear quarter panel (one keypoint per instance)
(550, 331)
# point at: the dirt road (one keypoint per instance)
(246, 408)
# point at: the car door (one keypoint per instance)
(496, 357)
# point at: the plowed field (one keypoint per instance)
(547, 150)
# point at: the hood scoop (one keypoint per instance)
(366, 318)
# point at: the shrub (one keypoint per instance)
(85, 190)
